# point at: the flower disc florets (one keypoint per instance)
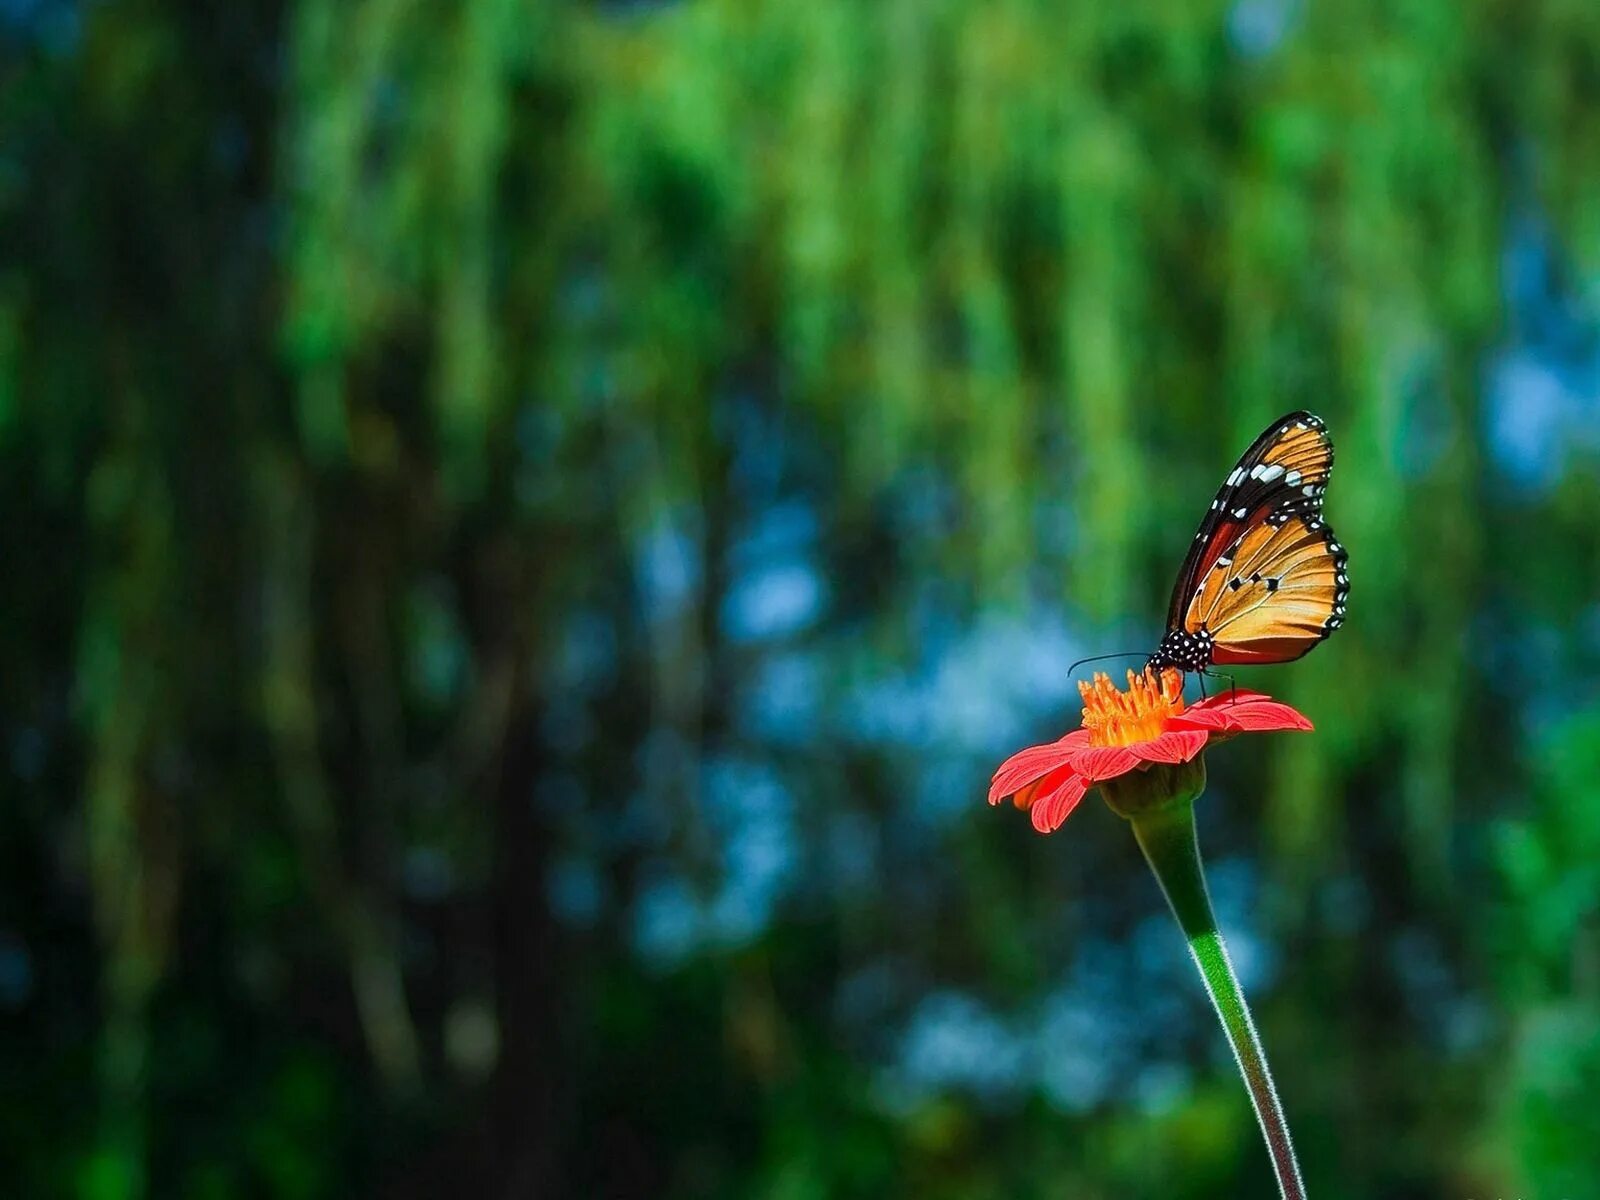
(1118, 718)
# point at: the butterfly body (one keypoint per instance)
(1264, 579)
(1184, 650)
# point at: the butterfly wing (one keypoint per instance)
(1277, 590)
(1285, 471)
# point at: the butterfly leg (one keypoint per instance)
(1232, 684)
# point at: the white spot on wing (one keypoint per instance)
(1293, 478)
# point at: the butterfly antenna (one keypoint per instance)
(1103, 657)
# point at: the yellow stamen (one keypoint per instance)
(1117, 718)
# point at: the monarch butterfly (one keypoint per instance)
(1264, 580)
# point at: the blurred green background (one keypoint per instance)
(528, 526)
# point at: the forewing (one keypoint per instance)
(1277, 591)
(1284, 472)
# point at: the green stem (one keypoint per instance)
(1167, 837)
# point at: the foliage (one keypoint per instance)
(530, 523)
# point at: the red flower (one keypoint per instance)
(1127, 731)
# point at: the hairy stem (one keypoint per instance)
(1167, 837)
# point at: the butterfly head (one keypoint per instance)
(1184, 650)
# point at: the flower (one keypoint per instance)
(1147, 729)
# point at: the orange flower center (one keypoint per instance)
(1117, 718)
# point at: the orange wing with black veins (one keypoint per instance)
(1284, 472)
(1276, 592)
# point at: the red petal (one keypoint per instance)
(1174, 746)
(1029, 792)
(1196, 717)
(1242, 712)
(1054, 806)
(1263, 714)
(1226, 700)
(1105, 762)
(1023, 767)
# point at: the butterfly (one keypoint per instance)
(1265, 580)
